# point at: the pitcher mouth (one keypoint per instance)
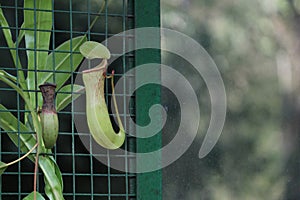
(48, 94)
(47, 84)
(101, 66)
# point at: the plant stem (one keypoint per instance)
(35, 174)
(19, 159)
(100, 11)
(115, 101)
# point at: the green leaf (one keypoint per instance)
(48, 188)
(6, 30)
(52, 178)
(29, 122)
(61, 60)
(9, 81)
(57, 172)
(9, 123)
(2, 167)
(91, 50)
(38, 24)
(20, 36)
(8, 37)
(31, 196)
(8, 76)
(66, 95)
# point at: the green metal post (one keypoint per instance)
(147, 14)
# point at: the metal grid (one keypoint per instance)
(83, 175)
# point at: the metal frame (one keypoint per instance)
(147, 14)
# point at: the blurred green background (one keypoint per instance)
(255, 45)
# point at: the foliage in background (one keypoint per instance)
(255, 45)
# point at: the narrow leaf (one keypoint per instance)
(2, 167)
(57, 172)
(91, 50)
(9, 82)
(20, 36)
(31, 196)
(8, 37)
(8, 76)
(38, 24)
(50, 190)
(61, 60)
(9, 123)
(52, 178)
(67, 94)
(6, 30)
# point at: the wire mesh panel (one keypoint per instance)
(84, 176)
